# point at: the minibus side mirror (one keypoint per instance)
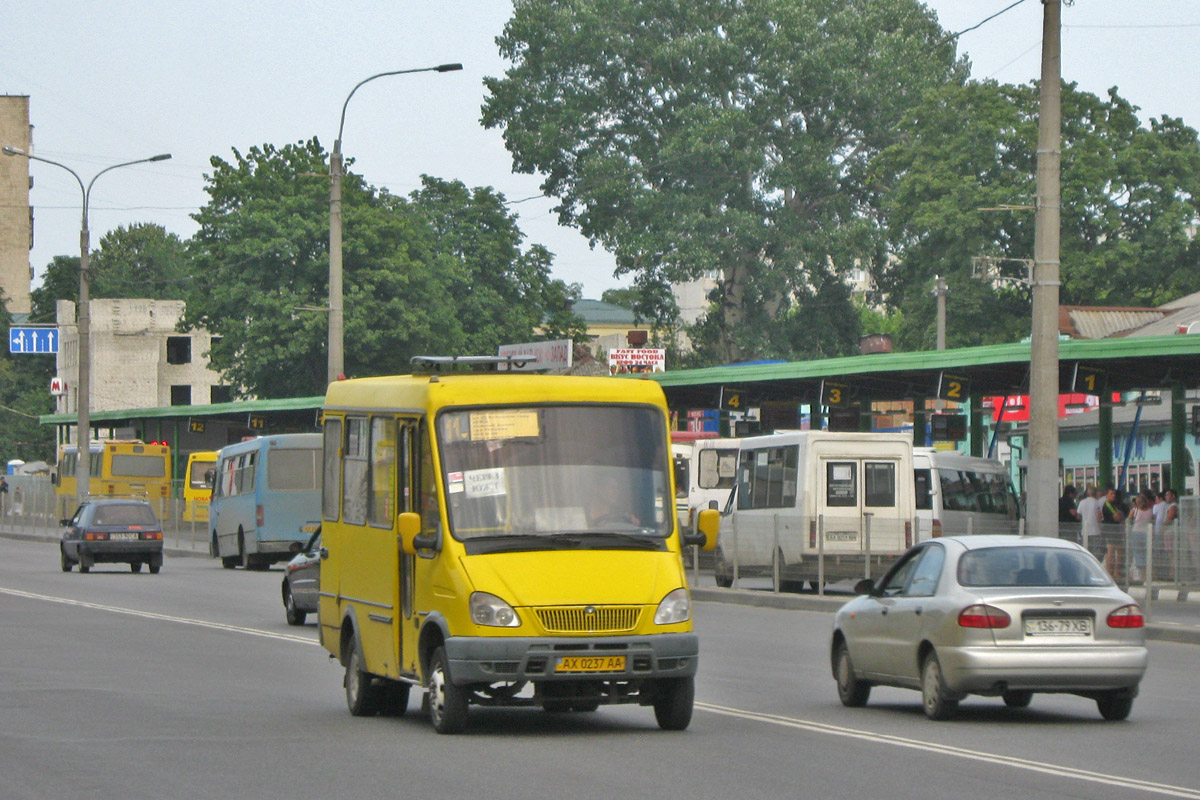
(411, 538)
(54, 479)
(210, 478)
(707, 525)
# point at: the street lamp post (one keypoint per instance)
(84, 381)
(336, 318)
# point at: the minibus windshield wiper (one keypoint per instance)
(610, 538)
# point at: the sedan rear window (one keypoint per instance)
(124, 515)
(1030, 566)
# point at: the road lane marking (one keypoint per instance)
(773, 719)
(136, 612)
(957, 752)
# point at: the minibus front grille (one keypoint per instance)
(589, 619)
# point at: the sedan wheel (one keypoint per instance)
(1017, 699)
(939, 701)
(135, 566)
(851, 691)
(66, 562)
(1115, 706)
(294, 615)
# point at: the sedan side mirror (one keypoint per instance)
(865, 586)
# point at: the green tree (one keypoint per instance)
(60, 281)
(1130, 194)
(694, 137)
(440, 273)
(143, 260)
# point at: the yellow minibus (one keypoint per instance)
(504, 539)
(128, 467)
(197, 489)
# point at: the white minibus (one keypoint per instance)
(818, 506)
(959, 494)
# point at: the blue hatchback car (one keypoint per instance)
(108, 531)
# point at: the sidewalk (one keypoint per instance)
(1169, 620)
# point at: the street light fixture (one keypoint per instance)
(83, 390)
(336, 319)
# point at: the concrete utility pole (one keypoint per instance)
(83, 388)
(940, 289)
(336, 362)
(1042, 497)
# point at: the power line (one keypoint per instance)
(981, 24)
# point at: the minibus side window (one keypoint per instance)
(768, 478)
(383, 471)
(427, 485)
(355, 472)
(331, 479)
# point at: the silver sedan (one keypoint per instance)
(1001, 616)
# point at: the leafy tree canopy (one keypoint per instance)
(694, 137)
(441, 272)
(1130, 195)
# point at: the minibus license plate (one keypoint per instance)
(1058, 626)
(590, 664)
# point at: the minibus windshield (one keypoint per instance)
(557, 476)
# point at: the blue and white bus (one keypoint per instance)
(266, 499)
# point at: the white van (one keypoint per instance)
(805, 497)
(705, 472)
(959, 494)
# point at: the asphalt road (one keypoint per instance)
(189, 684)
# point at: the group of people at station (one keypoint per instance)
(1119, 530)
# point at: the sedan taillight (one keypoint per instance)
(983, 616)
(95, 537)
(155, 535)
(1127, 617)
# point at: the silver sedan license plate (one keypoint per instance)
(1058, 626)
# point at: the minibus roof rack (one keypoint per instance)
(476, 363)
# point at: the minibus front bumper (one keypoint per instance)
(480, 659)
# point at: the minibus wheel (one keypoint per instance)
(447, 702)
(362, 695)
(673, 699)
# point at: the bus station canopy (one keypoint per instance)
(1118, 365)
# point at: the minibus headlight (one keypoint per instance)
(487, 609)
(675, 607)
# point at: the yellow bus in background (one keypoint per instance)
(120, 467)
(196, 489)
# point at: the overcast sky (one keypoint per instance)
(111, 82)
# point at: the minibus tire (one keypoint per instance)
(447, 702)
(362, 695)
(673, 700)
(395, 698)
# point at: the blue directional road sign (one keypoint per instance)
(28, 341)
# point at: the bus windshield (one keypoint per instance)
(591, 475)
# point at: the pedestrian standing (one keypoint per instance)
(1067, 515)
(1141, 521)
(1089, 518)
(1112, 514)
